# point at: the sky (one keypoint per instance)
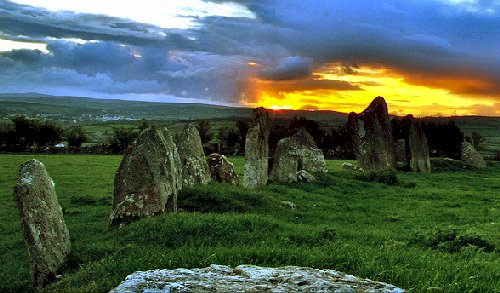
(425, 57)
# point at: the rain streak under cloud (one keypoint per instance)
(426, 57)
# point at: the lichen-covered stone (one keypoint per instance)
(298, 152)
(471, 156)
(222, 170)
(148, 179)
(417, 150)
(45, 233)
(372, 140)
(248, 278)
(194, 165)
(257, 150)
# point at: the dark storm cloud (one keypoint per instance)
(424, 39)
(430, 42)
(287, 68)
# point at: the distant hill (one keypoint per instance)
(81, 109)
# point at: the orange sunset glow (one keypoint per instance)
(332, 88)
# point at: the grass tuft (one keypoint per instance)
(449, 240)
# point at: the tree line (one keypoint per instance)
(24, 134)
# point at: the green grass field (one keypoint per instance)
(428, 233)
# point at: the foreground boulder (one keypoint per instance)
(148, 179)
(222, 170)
(44, 230)
(372, 140)
(194, 166)
(416, 148)
(294, 154)
(471, 156)
(257, 150)
(248, 278)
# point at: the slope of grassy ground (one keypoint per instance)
(429, 232)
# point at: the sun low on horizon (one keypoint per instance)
(366, 83)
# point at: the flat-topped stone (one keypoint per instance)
(249, 278)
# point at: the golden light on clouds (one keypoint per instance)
(351, 89)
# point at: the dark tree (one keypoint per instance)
(22, 130)
(121, 139)
(47, 134)
(338, 143)
(7, 136)
(477, 139)
(444, 140)
(76, 137)
(204, 130)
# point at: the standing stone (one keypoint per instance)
(296, 153)
(148, 179)
(222, 170)
(257, 150)
(285, 162)
(372, 140)
(417, 150)
(400, 147)
(194, 166)
(44, 230)
(471, 156)
(311, 158)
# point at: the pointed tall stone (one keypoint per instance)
(194, 166)
(417, 150)
(371, 134)
(257, 150)
(44, 230)
(148, 179)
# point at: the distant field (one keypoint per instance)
(424, 234)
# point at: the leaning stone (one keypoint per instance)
(194, 166)
(305, 176)
(148, 179)
(471, 156)
(256, 150)
(222, 170)
(248, 278)
(44, 230)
